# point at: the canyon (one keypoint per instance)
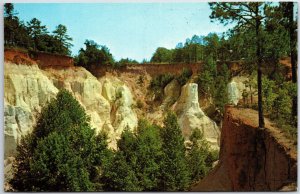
(109, 100)
(250, 159)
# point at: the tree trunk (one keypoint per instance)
(261, 122)
(293, 41)
(251, 95)
(196, 56)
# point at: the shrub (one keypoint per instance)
(158, 83)
(140, 80)
(139, 104)
(184, 76)
(118, 94)
(161, 80)
(200, 157)
(277, 98)
(124, 63)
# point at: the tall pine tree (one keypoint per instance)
(174, 171)
(248, 15)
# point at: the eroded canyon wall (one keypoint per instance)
(28, 88)
(191, 117)
(251, 159)
(258, 159)
(110, 101)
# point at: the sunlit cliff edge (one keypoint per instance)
(251, 159)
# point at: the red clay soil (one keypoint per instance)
(51, 60)
(41, 58)
(287, 63)
(152, 69)
(18, 57)
(250, 117)
(251, 159)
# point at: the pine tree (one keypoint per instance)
(205, 78)
(119, 174)
(10, 24)
(136, 164)
(220, 88)
(289, 22)
(197, 155)
(174, 171)
(149, 153)
(37, 32)
(62, 151)
(60, 33)
(249, 15)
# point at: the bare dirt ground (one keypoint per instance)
(250, 117)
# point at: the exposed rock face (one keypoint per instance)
(18, 122)
(236, 88)
(28, 89)
(233, 93)
(191, 116)
(125, 117)
(86, 89)
(251, 159)
(8, 174)
(107, 100)
(240, 82)
(122, 114)
(171, 93)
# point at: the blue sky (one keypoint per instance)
(131, 30)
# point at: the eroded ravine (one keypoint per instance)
(110, 101)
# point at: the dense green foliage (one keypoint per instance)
(125, 62)
(212, 82)
(34, 35)
(184, 76)
(62, 153)
(278, 103)
(158, 83)
(174, 171)
(93, 55)
(136, 165)
(199, 157)
(272, 29)
(119, 172)
(162, 55)
(194, 50)
(206, 77)
(97, 55)
(155, 159)
(15, 31)
(220, 95)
